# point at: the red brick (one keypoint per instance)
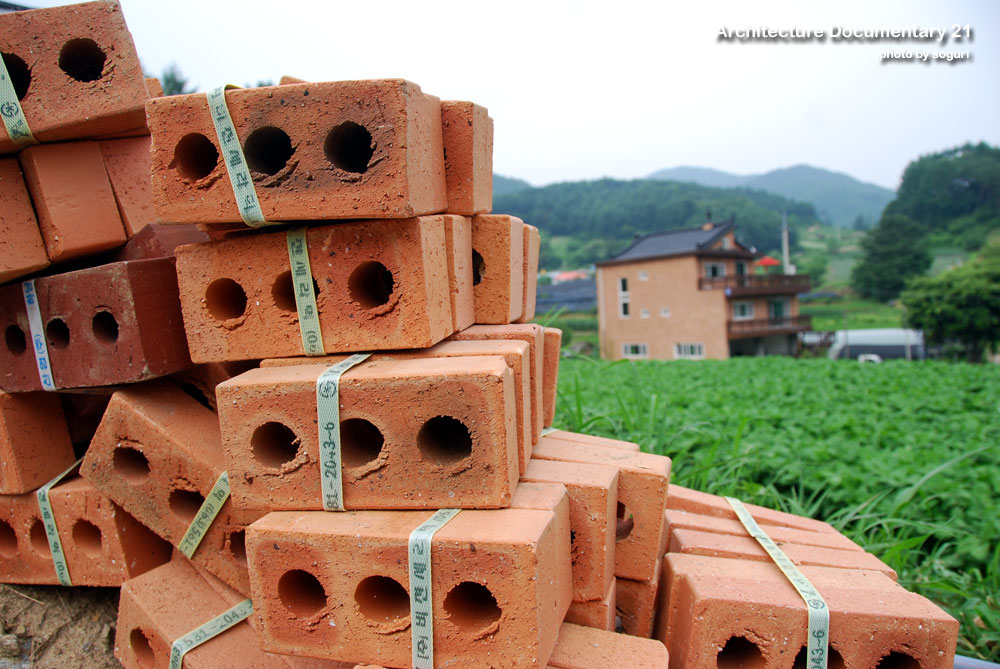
(382, 285)
(288, 79)
(694, 501)
(586, 648)
(551, 351)
(707, 603)
(34, 441)
(346, 149)
(694, 521)
(154, 89)
(336, 585)
(468, 157)
(599, 614)
(101, 91)
(636, 603)
(157, 453)
(593, 494)
(498, 268)
(458, 239)
(577, 438)
(77, 214)
(83, 413)
(117, 323)
(642, 492)
(104, 545)
(159, 241)
(427, 433)
(128, 165)
(532, 242)
(22, 250)
(200, 382)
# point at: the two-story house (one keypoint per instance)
(690, 294)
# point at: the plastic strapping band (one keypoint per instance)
(37, 335)
(819, 613)
(421, 601)
(236, 164)
(305, 296)
(206, 515)
(209, 630)
(51, 532)
(328, 418)
(10, 109)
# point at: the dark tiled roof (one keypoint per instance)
(579, 295)
(671, 243)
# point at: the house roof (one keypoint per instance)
(672, 243)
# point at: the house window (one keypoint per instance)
(714, 269)
(623, 307)
(777, 309)
(623, 298)
(727, 243)
(622, 285)
(742, 311)
(665, 312)
(689, 351)
(635, 351)
(643, 276)
(741, 268)
(644, 313)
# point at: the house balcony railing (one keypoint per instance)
(757, 284)
(763, 327)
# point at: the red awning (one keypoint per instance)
(767, 261)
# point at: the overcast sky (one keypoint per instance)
(582, 90)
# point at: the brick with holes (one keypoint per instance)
(127, 164)
(103, 544)
(157, 453)
(381, 285)
(468, 157)
(316, 151)
(107, 325)
(334, 585)
(75, 71)
(636, 602)
(498, 268)
(22, 250)
(695, 501)
(416, 434)
(593, 440)
(599, 613)
(581, 647)
(551, 350)
(458, 238)
(34, 441)
(532, 242)
(677, 519)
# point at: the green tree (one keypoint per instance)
(893, 252)
(815, 266)
(173, 82)
(961, 305)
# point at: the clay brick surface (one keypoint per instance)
(586, 648)
(532, 242)
(501, 585)
(316, 151)
(157, 453)
(468, 157)
(693, 521)
(593, 494)
(707, 602)
(418, 434)
(34, 441)
(80, 70)
(576, 437)
(551, 350)
(642, 492)
(83, 413)
(498, 268)
(458, 238)
(382, 285)
(104, 545)
(116, 323)
(599, 614)
(636, 603)
(128, 165)
(200, 382)
(22, 250)
(159, 241)
(154, 89)
(694, 501)
(77, 213)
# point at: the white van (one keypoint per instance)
(885, 343)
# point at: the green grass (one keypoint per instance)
(904, 458)
(851, 314)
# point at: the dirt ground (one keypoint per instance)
(50, 627)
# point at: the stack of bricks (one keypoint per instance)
(177, 364)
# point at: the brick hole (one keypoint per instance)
(283, 292)
(301, 593)
(834, 660)
(897, 660)
(195, 156)
(130, 464)
(20, 74)
(478, 267)
(349, 147)
(39, 540)
(274, 444)
(238, 545)
(57, 333)
(370, 284)
(185, 504)
(443, 440)
(105, 327)
(88, 538)
(16, 342)
(382, 599)
(624, 522)
(471, 607)
(361, 442)
(225, 299)
(82, 59)
(8, 540)
(268, 150)
(141, 648)
(739, 653)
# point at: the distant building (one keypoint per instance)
(690, 294)
(578, 295)
(6, 7)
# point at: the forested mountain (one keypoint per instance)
(503, 185)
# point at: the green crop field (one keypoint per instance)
(904, 458)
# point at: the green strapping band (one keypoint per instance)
(421, 601)
(328, 418)
(11, 112)
(819, 613)
(236, 164)
(305, 296)
(51, 531)
(209, 630)
(203, 520)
